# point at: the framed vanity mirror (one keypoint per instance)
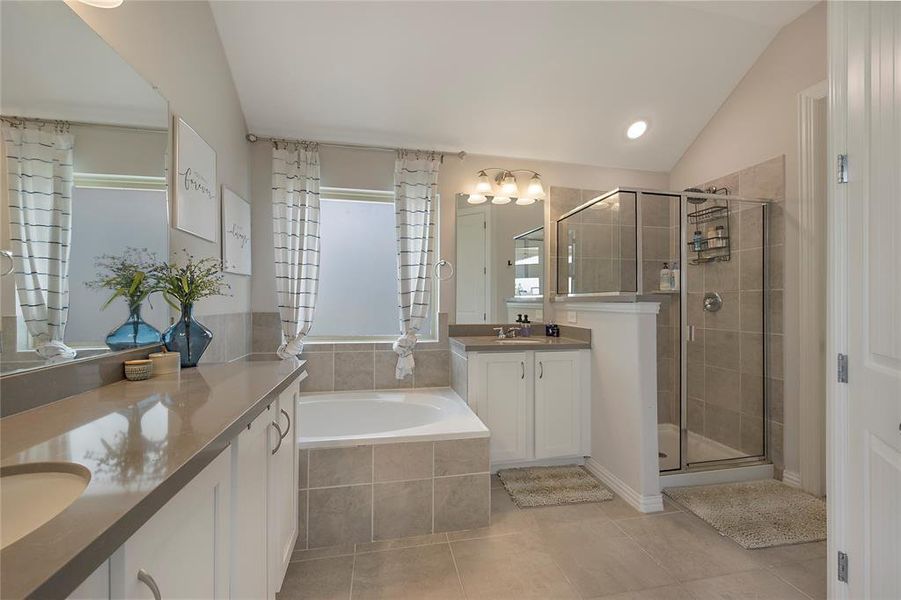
(500, 261)
(84, 153)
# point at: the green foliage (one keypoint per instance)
(125, 275)
(192, 280)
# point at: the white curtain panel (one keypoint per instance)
(295, 226)
(415, 192)
(40, 176)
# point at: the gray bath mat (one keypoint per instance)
(757, 514)
(548, 486)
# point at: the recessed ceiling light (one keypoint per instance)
(636, 130)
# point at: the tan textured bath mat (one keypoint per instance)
(549, 486)
(757, 514)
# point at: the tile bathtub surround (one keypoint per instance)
(231, 336)
(374, 493)
(360, 366)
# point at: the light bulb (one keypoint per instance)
(500, 200)
(508, 186)
(525, 201)
(484, 184)
(102, 3)
(636, 130)
(536, 189)
(476, 199)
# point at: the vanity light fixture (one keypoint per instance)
(636, 130)
(503, 188)
(102, 3)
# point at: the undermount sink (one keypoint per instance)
(31, 494)
(517, 341)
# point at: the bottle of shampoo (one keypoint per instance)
(666, 278)
(676, 276)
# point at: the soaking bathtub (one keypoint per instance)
(335, 419)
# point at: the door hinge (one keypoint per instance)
(843, 368)
(842, 168)
(842, 567)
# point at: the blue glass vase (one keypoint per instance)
(187, 337)
(134, 332)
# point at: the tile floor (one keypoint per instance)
(605, 550)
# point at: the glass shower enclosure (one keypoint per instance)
(703, 257)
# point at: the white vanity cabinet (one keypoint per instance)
(536, 403)
(283, 486)
(183, 550)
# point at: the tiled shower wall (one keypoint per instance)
(725, 362)
(360, 366)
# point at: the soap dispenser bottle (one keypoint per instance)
(666, 278)
(526, 330)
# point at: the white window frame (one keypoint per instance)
(357, 195)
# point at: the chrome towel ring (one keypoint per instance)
(444, 263)
(12, 264)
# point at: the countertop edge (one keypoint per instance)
(461, 345)
(65, 580)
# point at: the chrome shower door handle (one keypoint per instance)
(280, 436)
(147, 579)
(288, 428)
(522, 366)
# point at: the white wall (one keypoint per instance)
(117, 151)
(176, 47)
(758, 122)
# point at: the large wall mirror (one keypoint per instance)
(84, 156)
(500, 261)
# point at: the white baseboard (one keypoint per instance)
(546, 462)
(641, 503)
(791, 478)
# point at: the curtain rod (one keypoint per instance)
(16, 120)
(259, 138)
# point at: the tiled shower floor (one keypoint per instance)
(604, 550)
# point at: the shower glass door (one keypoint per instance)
(724, 306)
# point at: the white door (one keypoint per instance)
(282, 487)
(865, 319)
(183, 549)
(558, 404)
(505, 403)
(250, 494)
(472, 266)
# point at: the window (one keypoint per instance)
(358, 268)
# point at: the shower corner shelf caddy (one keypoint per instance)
(710, 248)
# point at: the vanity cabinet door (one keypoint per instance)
(282, 488)
(250, 497)
(558, 403)
(505, 403)
(183, 550)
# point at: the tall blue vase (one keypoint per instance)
(187, 337)
(134, 332)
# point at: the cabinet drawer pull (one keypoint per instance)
(147, 579)
(540, 370)
(522, 367)
(288, 428)
(280, 437)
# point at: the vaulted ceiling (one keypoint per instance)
(556, 81)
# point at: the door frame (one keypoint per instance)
(837, 434)
(484, 210)
(812, 409)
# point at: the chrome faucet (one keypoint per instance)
(502, 334)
